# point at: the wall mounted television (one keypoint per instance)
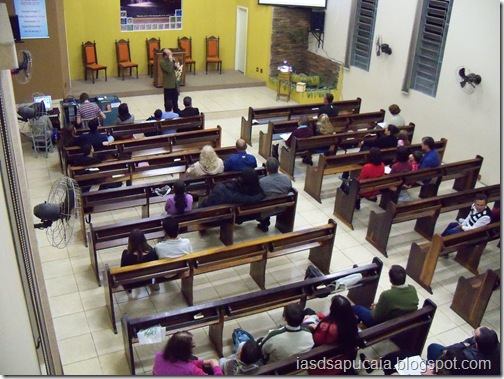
(296, 3)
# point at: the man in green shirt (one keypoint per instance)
(400, 299)
(170, 85)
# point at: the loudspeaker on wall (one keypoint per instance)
(317, 21)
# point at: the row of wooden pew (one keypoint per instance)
(222, 216)
(144, 195)
(146, 146)
(290, 112)
(408, 331)
(256, 253)
(341, 124)
(352, 162)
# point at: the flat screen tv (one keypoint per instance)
(296, 3)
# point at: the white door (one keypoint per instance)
(241, 39)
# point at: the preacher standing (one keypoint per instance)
(171, 91)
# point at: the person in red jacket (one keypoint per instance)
(374, 169)
(338, 327)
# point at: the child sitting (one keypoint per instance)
(415, 159)
(244, 361)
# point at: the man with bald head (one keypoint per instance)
(170, 85)
(240, 160)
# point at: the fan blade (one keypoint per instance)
(462, 72)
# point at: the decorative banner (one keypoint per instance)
(32, 18)
(142, 15)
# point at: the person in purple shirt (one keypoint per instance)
(431, 156)
(177, 359)
(240, 160)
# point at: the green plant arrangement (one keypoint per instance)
(313, 87)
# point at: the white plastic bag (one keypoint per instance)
(154, 334)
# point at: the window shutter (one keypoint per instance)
(363, 33)
(430, 45)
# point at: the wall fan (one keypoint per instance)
(382, 47)
(23, 73)
(60, 212)
(467, 80)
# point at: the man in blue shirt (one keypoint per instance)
(431, 156)
(240, 160)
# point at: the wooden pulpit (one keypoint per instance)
(179, 55)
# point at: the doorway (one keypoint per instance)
(241, 39)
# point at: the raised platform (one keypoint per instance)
(143, 85)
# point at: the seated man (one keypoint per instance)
(289, 340)
(94, 138)
(86, 158)
(88, 110)
(400, 299)
(328, 108)
(303, 131)
(431, 156)
(480, 215)
(188, 110)
(275, 183)
(483, 347)
(172, 246)
(240, 160)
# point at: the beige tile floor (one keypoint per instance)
(85, 338)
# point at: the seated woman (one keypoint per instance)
(68, 136)
(324, 128)
(180, 201)
(177, 359)
(244, 190)
(338, 327)
(209, 163)
(124, 116)
(374, 169)
(403, 138)
(138, 251)
(402, 163)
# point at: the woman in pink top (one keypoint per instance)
(180, 202)
(177, 358)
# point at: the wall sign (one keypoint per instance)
(142, 15)
(32, 18)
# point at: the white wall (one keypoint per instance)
(471, 123)
(17, 348)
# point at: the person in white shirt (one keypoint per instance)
(172, 246)
(289, 340)
(480, 215)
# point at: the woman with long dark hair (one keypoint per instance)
(180, 201)
(138, 251)
(338, 327)
(177, 359)
(374, 169)
(244, 190)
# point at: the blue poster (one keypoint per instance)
(141, 15)
(32, 18)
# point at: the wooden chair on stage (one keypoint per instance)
(186, 44)
(91, 60)
(153, 45)
(124, 58)
(212, 52)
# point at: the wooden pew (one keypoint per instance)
(466, 174)
(108, 236)
(352, 162)
(143, 195)
(289, 112)
(472, 296)
(425, 212)
(152, 127)
(341, 124)
(215, 314)
(469, 246)
(223, 216)
(320, 241)
(410, 333)
(339, 140)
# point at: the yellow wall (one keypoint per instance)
(99, 20)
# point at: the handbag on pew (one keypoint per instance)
(345, 187)
(314, 272)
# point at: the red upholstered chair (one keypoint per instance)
(124, 58)
(153, 45)
(212, 53)
(90, 60)
(186, 44)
